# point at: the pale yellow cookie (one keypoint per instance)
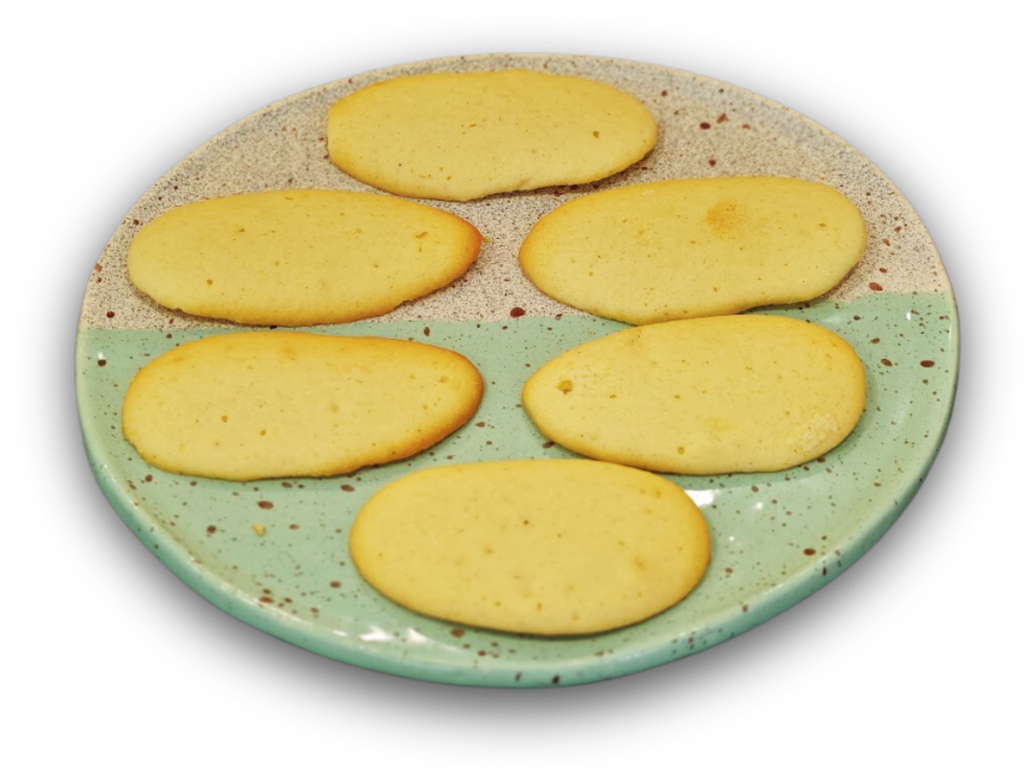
(299, 257)
(462, 136)
(743, 393)
(543, 547)
(243, 406)
(687, 248)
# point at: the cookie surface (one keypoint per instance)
(242, 406)
(543, 547)
(299, 257)
(462, 136)
(687, 248)
(742, 393)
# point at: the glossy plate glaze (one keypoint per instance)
(274, 553)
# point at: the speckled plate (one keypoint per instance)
(776, 537)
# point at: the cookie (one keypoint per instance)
(687, 248)
(742, 393)
(543, 547)
(299, 257)
(242, 406)
(462, 136)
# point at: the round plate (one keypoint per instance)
(776, 537)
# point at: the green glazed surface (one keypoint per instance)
(776, 538)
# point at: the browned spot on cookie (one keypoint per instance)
(725, 216)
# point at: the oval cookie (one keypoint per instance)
(299, 257)
(543, 547)
(743, 393)
(694, 247)
(462, 136)
(242, 406)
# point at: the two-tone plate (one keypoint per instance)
(776, 537)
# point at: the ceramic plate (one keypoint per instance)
(777, 537)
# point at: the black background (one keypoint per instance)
(134, 109)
